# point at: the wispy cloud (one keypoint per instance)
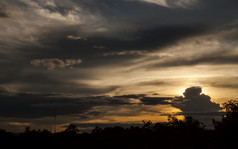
(55, 63)
(74, 37)
(173, 3)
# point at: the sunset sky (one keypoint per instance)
(111, 62)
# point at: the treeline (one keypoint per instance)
(185, 134)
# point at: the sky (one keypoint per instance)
(115, 62)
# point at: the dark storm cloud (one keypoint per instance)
(169, 26)
(144, 39)
(36, 106)
(198, 105)
(150, 26)
(150, 39)
(194, 101)
(29, 105)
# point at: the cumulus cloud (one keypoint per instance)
(198, 105)
(194, 101)
(55, 63)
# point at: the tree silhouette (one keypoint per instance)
(229, 121)
(72, 128)
(176, 133)
(188, 122)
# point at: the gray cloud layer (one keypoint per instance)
(29, 105)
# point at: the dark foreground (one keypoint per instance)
(186, 134)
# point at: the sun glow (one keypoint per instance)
(203, 92)
(181, 92)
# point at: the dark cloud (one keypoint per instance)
(137, 96)
(147, 100)
(3, 14)
(143, 39)
(195, 101)
(156, 100)
(152, 38)
(36, 105)
(153, 83)
(198, 105)
(29, 105)
(54, 63)
(3, 11)
(210, 58)
(224, 82)
(129, 25)
(165, 28)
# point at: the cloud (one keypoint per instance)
(194, 101)
(48, 9)
(158, 2)
(226, 82)
(55, 63)
(27, 105)
(198, 105)
(181, 3)
(3, 14)
(3, 11)
(75, 37)
(32, 105)
(173, 3)
(144, 99)
(132, 30)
